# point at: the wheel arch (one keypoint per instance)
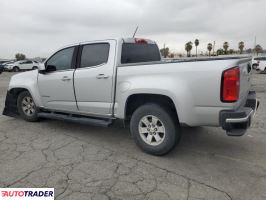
(136, 100)
(11, 101)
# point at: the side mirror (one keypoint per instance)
(49, 68)
(41, 66)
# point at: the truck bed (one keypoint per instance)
(193, 84)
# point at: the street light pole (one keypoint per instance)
(213, 47)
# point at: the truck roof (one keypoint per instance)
(119, 40)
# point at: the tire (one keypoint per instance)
(26, 107)
(34, 68)
(167, 123)
(254, 66)
(15, 69)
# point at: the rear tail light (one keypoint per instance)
(140, 41)
(230, 85)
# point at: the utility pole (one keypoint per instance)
(164, 52)
(255, 43)
(213, 47)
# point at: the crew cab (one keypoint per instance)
(99, 82)
(22, 65)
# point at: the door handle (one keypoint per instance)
(102, 76)
(66, 78)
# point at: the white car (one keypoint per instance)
(22, 65)
(259, 63)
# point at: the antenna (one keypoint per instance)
(135, 31)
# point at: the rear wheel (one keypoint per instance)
(15, 69)
(155, 129)
(26, 107)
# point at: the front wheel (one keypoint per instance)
(34, 68)
(26, 107)
(15, 69)
(155, 129)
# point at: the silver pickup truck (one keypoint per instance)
(99, 82)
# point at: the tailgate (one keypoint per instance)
(245, 78)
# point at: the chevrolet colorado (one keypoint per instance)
(99, 82)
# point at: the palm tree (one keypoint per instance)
(196, 44)
(241, 46)
(188, 48)
(225, 46)
(258, 49)
(209, 47)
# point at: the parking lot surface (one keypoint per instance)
(86, 162)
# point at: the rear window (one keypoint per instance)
(135, 53)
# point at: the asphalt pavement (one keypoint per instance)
(86, 162)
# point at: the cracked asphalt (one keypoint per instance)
(86, 162)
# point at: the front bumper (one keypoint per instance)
(10, 105)
(236, 122)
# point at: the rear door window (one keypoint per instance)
(94, 54)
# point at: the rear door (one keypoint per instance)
(93, 79)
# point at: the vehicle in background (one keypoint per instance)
(22, 65)
(1, 68)
(261, 64)
(256, 62)
(99, 82)
(2, 65)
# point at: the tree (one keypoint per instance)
(258, 49)
(220, 52)
(165, 52)
(20, 56)
(241, 46)
(249, 50)
(188, 48)
(196, 45)
(231, 51)
(209, 47)
(172, 55)
(225, 46)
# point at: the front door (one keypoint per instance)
(94, 78)
(56, 87)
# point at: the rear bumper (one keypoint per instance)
(236, 122)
